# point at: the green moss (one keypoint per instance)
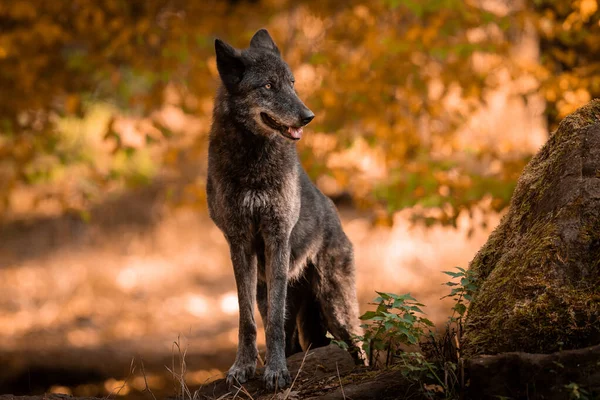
(539, 273)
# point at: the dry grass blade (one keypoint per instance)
(184, 391)
(239, 389)
(289, 390)
(147, 388)
(131, 371)
(340, 379)
(243, 389)
(262, 362)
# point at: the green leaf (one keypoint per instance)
(384, 296)
(417, 309)
(409, 317)
(453, 274)
(368, 315)
(460, 308)
(412, 339)
(398, 303)
(471, 287)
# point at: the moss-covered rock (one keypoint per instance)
(539, 272)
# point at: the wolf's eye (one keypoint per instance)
(268, 86)
(292, 83)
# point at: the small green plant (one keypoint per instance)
(340, 343)
(396, 321)
(444, 348)
(417, 369)
(577, 392)
(449, 346)
(394, 333)
(462, 292)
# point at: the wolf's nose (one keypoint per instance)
(307, 117)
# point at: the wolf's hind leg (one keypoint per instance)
(293, 302)
(312, 330)
(337, 296)
(311, 326)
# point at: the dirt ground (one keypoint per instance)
(84, 303)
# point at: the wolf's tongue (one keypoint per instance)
(296, 133)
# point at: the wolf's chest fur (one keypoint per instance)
(251, 182)
(255, 200)
(276, 192)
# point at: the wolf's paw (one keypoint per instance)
(359, 356)
(277, 377)
(240, 373)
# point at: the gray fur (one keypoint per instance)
(289, 252)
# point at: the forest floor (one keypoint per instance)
(84, 303)
(323, 373)
(329, 373)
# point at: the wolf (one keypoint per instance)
(288, 250)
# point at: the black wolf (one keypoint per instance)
(288, 249)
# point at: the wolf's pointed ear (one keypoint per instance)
(263, 40)
(229, 64)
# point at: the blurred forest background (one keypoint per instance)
(426, 113)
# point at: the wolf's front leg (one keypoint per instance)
(277, 263)
(244, 268)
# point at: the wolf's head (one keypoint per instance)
(260, 88)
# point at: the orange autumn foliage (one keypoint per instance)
(391, 83)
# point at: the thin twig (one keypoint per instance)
(243, 389)
(461, 368)
(289, 391)
(180, 377)
(340, 379)
(239, 389)
(262, 362)
(131, 371)
(147, 388)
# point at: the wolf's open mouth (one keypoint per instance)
(289, 132)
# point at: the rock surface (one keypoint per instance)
(535, 376)
(327, 373)
(539, 272)
(319, 364)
